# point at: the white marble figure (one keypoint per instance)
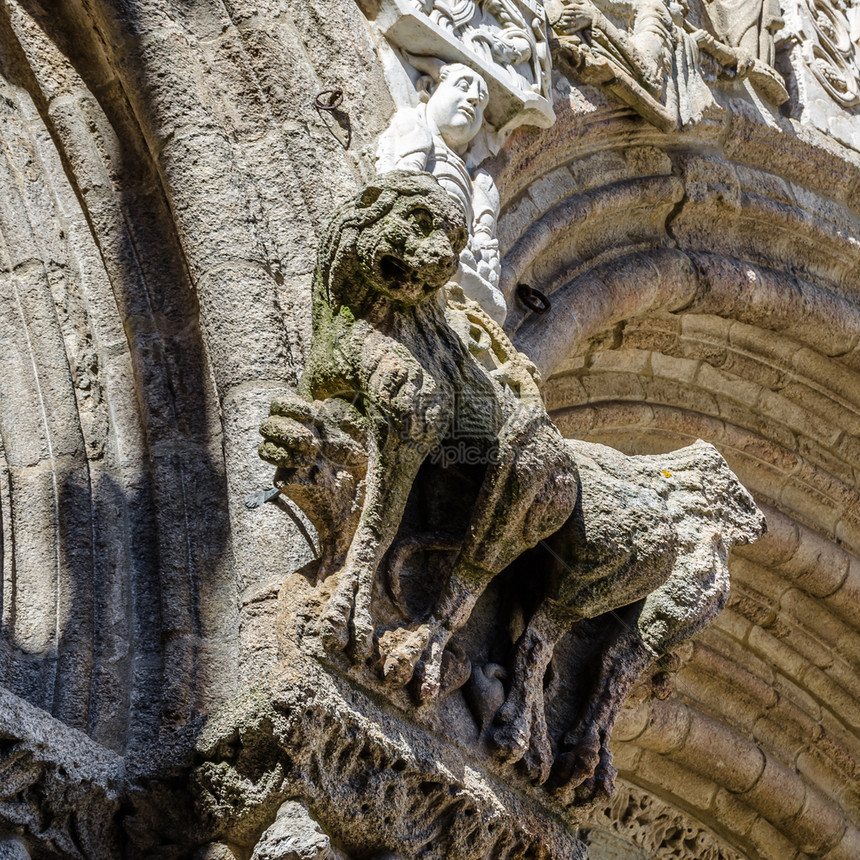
(659, 58)
(747, 24)
(435, 137)
(660, 34)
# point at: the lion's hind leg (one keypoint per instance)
(529, 491)
(519, 728)
(585, 756)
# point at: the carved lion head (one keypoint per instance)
(400, 238)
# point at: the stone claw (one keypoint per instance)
(522, 736)
(444, 667)
(597, 788)
(400, 650)
(362, 635)
(579, 762)
(424, 655)
(509, 741)
(333, 625)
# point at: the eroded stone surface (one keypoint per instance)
(166, 177)
(448, 574)
(373, 781)
(60, 792)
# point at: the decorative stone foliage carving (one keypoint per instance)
(461, 537)
(660, 830)
(829, 51)
(503, 40)
(821, 49)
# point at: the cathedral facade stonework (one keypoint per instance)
(430, 429)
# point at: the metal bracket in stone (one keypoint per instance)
(258, 499)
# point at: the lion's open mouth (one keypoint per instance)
(396, 272)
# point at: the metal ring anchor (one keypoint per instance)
(333, 101)
(533, 299)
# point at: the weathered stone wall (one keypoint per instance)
(166, 177)
(723, 307)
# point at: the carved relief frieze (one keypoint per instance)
(653, 826)
(505, 41)
(829, 51)
(474, 70)
(821, 46)
(654, 57)
(437, 136)
(751, 25)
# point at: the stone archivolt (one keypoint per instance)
(691, 327)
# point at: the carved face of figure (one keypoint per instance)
(678, 9)
(456, 107)
(414, 249)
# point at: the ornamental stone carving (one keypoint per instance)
(419, 650)
(436, 137)
(830, 52)
(747, 24)
(821, 46)
(505, 41)
(473, 562)
(474, 70)
(656, 60)
(655, 828)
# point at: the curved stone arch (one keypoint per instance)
(773, 678)
(775, 672)
(107, 455)
(696, 293)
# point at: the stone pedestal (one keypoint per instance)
(374, 781)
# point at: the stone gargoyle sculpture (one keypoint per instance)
(463, 541)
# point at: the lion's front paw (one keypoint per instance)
(289, 443)
(333, 624)
(400, 650)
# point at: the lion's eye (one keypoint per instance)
(423, 219)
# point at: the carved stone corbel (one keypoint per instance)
(473, 538)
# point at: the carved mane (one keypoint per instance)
(339, 271)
